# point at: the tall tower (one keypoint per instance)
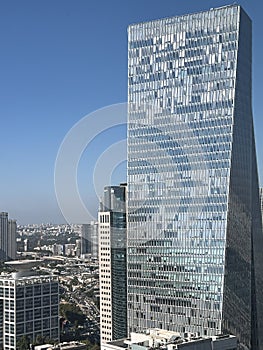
(3, 236)
(12, 246)
(112, 263)
(194, 226)
(7, 238)
(261, 200)
(89, 239)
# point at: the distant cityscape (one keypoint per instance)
(175, 258)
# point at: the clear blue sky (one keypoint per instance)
(59, 61)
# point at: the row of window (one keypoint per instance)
(37, 302)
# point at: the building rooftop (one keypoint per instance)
(23, 265)
(25, 270)
(169, 340)
(139, 24)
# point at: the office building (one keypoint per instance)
(70, 249)
(89, 239)
(194, 225)
(8, 246)
(29, 305)
(12, 245)
(168, 340)
(85, 242)
(94, 240)
(58, 249)
(261, 201)
(112, 263)
(3, 236)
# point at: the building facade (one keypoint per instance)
(29, 306)
(112, 264)
(89, 239)
(3, 236)
(8, 246)
(194, 225)
(12, 245)
(261, 201)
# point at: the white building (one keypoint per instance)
(74, 345)
(112, 263)
(29, 305)
(169, 340)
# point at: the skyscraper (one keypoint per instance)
(195, 244)
(3, 236)
(7, 238)
(12, 246)
(89, 239)
(261, 201)
(112, 262)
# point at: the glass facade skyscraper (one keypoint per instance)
(261, 200)
(194, 223)
(89, 239)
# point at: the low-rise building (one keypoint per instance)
(169, 340)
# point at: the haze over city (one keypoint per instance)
(61, 61)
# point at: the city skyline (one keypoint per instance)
(54, 73)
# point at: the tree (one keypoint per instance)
(72, 313)
(90, 346)
(23, 343)
(39, 340)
